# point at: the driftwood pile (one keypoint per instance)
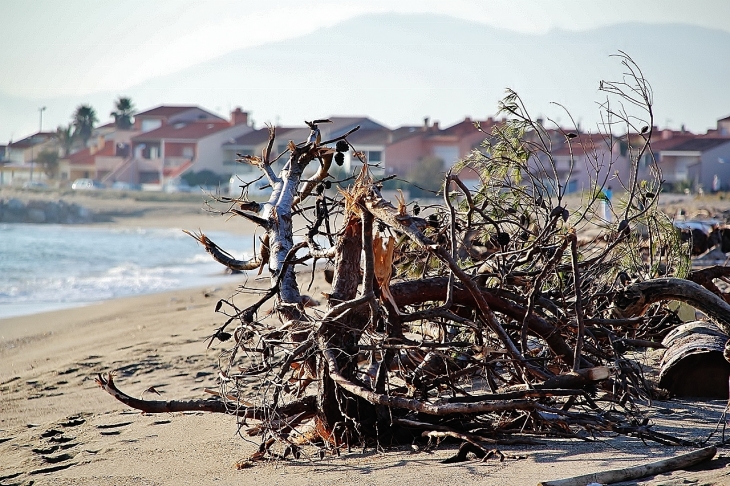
(501, 315)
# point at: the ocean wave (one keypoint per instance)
(43, 264)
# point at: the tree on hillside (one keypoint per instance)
(66, 139)
(48, 160)
(84, 120)
(123, 113)
(489, 320)
(427, 176)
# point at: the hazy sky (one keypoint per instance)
(56, 48)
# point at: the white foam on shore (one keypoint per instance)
(27, 309)
(51, 267)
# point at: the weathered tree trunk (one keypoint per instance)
(340, 335)
(278, 213)
(636, 299)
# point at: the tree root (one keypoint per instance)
(306, 404)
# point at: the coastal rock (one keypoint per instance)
(13, 211)
(35, 215)
(38, 212)
(53, 212)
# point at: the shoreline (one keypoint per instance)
(134, 215)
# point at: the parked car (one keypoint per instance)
(35, 185)
(176, 185)
(86, 185)
(126, 186)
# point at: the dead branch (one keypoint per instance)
(228, 407)
(636, 472)
(636, 299)
(223, 257)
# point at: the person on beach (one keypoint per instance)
(606, 204)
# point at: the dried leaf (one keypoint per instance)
(383, 256)
(248, 159)
(401, 203)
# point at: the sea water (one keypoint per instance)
(47, 267)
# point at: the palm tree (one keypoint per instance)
(123, 114)
(83, 121)
(65, 135)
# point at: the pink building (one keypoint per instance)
(170, 140)
(409, 145)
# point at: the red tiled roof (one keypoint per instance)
(369, 137)
(183, 131)
(258, 137)
(82, 157)
(583, 143)
(165, 111)
(407, 131)
(86, 157)
(698, 144)
(28, 141)
(467, 127)
(670, 143)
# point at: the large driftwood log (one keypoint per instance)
(636, 472)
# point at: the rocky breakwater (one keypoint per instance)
(55, 212)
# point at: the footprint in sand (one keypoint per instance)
(112, 429)
(58, 447)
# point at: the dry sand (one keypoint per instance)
(57, 427)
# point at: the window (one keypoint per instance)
(645, 161)
(187, 152)
(448, 153)
(375, 156)
(149, 125)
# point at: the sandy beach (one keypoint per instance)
(57, 427)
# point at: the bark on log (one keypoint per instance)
(636, 472)
(706, 276)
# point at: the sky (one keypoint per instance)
(55, 48)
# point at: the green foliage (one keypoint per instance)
(522, 201)
(48, 159)
(84, 119)
(205, 177)
(427, 178)
(123, 113)
(66, 139)
(681, 187)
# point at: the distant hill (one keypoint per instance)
(399, 68)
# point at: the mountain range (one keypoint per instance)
(400, 68)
